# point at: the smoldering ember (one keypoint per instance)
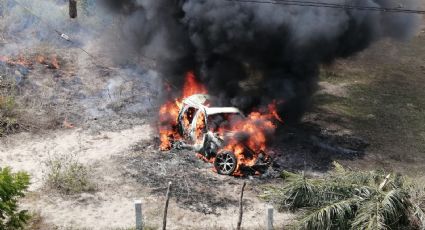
(212, 114)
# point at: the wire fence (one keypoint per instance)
(139, 223)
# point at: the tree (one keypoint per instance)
(12, 187)
(345, 199)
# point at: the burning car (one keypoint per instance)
(206, 130)
(234, 143)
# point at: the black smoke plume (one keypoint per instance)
(248, 54)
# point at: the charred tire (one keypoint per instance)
(225, 163)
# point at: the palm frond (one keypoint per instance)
(417, 197)
(299, 192)
(395, 206)
(383, 210)
(420, 215)
(333, 215)
(346, 199)
(338, 168)
(368, 217)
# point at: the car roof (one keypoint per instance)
(218, 110)
(198, 101)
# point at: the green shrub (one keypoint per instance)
(67, 175)
(345, 199)
(12, 187)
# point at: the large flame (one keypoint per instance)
(192, 86)
(248, 134)
(169, 112)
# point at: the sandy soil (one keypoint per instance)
(111, 206)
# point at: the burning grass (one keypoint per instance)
(49, 61)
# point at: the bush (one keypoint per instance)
(12, 187)
(8, 121)
(345, 199)
(67, 175)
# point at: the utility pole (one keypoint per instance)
(73, 9)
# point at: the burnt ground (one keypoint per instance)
(198, 188)
(78, 92)
(309, 147)
(195, 185)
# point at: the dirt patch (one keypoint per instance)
(126, 166)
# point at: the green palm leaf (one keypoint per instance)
(331, 216)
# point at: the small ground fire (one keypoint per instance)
(234, 143)
(28, 62)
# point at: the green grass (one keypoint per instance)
(385, 103)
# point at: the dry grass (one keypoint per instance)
(65, 174)
(8, 120)
(37, 222)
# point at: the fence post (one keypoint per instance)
(238, 227)
(139, 216)
(269, 218)
(73, 8)
(167, 200)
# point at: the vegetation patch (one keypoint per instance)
(67, 175)
(346, 199)
(8, 121)
(12, 187)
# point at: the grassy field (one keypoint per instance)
(379, 95)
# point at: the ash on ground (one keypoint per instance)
(310, 147)
(195, 185)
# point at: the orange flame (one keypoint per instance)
(192, 86)
(256, 127)
(169, 112)
(27, 62)
(273, 110)
(54, 62)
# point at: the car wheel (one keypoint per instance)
(225, 163)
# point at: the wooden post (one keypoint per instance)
(269, 220)
(167, 200)
(139, 216)
(73, 9)
(241, 207)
